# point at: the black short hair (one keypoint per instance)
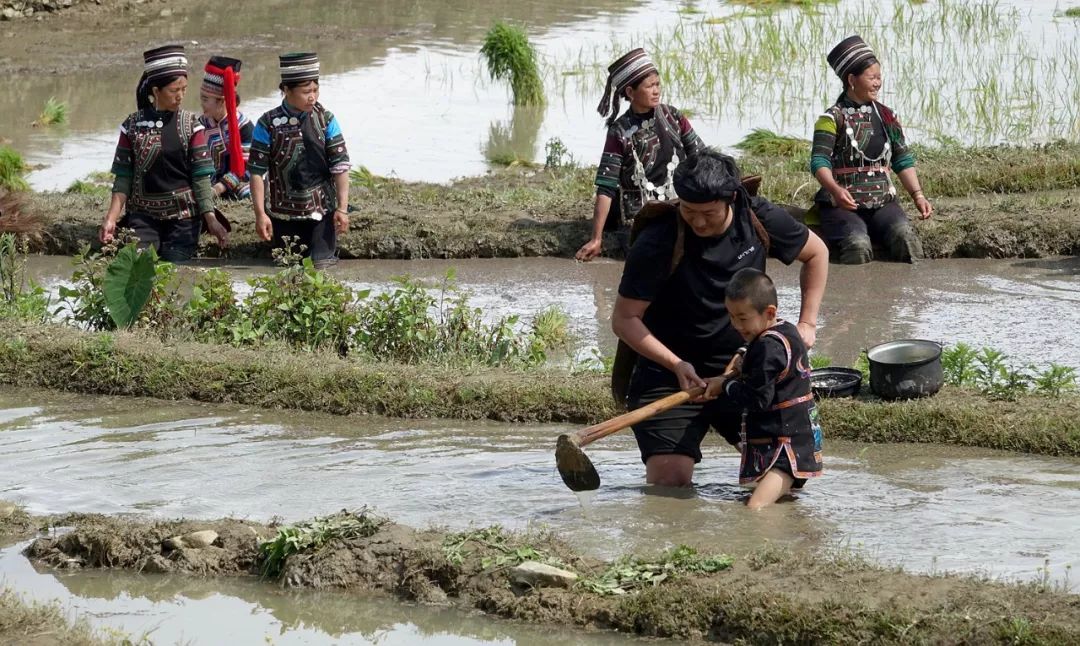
(754, 286)
(707, 176)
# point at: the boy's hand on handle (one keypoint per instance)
(264, 227)
(716, 387)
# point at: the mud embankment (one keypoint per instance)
(141, 365)
(535, 213)
(767, 596)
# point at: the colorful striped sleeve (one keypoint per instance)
(610, 168)
(824, 141)
(202, 169)
(336, 152)
(259, 157)
(902, 157)
(123, 166)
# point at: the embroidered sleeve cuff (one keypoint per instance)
(817, 162)
(340, 168)
(122, 184)
(903, 162)
(204, 195)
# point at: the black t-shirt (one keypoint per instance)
(686, 309)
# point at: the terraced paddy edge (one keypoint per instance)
(134, 364)
(767, 596)
(990, 203)
(38, 624)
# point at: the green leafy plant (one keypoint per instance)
(301, 305)
(1056, 380)
(632, 574)
(20, 298)
(311, 535)
(958, 364)
(820, 361)
(557, 155)
(128, 283)
(762, 141)
(510, 56)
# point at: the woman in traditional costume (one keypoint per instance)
(228, 130)
(162, 165)
(298, 150)
(644, 146)
(856, 142)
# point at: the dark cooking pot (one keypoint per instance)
(905, 369)
(835, 382)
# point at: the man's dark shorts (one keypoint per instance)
(680, 430)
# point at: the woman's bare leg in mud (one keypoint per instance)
(774, 484)
(669, 470)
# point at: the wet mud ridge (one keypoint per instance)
(768, 596)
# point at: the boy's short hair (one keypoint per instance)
(754, 286)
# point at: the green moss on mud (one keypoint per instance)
(784, 597)
(59, 357)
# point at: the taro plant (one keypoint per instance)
(510, 56)
(128, 284)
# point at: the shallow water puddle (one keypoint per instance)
(421, 63)
(186, 610)
(925, 507)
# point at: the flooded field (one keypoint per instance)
(1017, 306)
(928, 508)
(419, 64)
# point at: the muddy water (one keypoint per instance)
(178, 610)
(1017, 306)
(925, 507)
(435, 115)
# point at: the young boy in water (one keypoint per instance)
(781, 434)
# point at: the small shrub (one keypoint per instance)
(557, 155)
(629, 575)
(20, 298)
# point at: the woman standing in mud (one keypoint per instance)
(644, 146)
(298, 149)
(162, 165)
(856, 142)
(228, 130)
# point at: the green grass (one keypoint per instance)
(510, 56)
(12, 169)
(54, 113)
(138, 364)
(762, 141)
(23, 622)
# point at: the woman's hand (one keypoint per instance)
(925, 208)
(264, 227)
(589, 250)
(107, 230)
(843, 198)
(341, 221)
(217, 230)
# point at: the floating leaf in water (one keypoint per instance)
(129, 279)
